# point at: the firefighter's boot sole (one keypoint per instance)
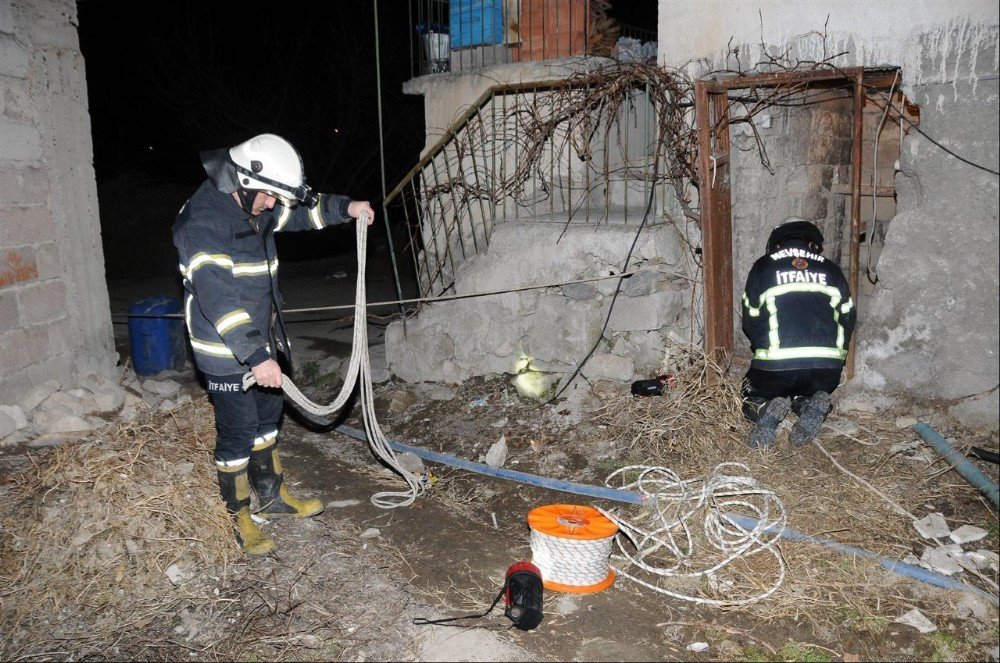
(766, 429)
(811, 419)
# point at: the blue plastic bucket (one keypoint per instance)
(157, 344)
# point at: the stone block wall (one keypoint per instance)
(54, 311)
(452, 341)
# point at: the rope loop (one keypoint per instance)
(359, 372)
(662, 542)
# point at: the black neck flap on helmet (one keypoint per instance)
(795, 230)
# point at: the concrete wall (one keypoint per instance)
(54, 310)
(931, 327)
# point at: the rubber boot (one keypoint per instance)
(811, 419)
(766, 429)
(234, 488)
(268, 482)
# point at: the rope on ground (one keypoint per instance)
(359, 371)
(664, 543)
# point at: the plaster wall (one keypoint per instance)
(931, 327)
(54, 310)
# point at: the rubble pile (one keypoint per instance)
(51, 414)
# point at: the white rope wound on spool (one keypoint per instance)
(663, 541)
(359, 371)
(571, 546)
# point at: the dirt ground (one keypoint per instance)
(337, 589)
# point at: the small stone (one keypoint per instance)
(184, 468)
(697, 647)
(176, 575)
(37, 395)
(985, 559)
(902, 447)
(13, 439)
(910, 558)
(161, 387)
(8, 425)
(500, 423)
(941, 561)
(62, 403)
(906, 422)
(497, 455)
(109, 399)
(916, 619)
(843, 427)
(70, 424)
(439, 392)
(401, 401)
(16, 414)
(54, 439)
(167, 405)
(580, 291)
(642, 283)
(340, 504)
(972, 606)
(128, 414)
(371, 533)
(968, 534)
(184, 399)
(932, 526)
(410, 462)
(857, 403)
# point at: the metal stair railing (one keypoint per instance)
(510, 156)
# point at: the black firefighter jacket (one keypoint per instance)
(797, 311)
(232, 306)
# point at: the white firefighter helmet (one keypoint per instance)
(269, 163)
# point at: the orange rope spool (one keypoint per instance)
(571, 545)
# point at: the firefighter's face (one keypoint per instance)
(263, 201)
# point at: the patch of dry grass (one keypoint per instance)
(88, 533)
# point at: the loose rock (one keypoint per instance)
(410, 462)
(497, 455)
(37, 395)
(932, 526)
(916, 619)
(967, 534)
(401, 400)
(161, 387)
(940, 560)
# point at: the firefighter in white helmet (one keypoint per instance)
(224, 236)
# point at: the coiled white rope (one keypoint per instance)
(571, 561)
(664, 545)
(359, 370)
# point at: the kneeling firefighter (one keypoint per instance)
(224, 236)
(799, 316)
